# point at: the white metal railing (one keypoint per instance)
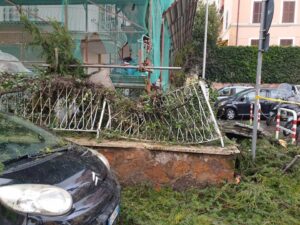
(181, 116)
(291, 131)
(65, 109)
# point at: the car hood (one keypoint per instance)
(76, 170)
(224, 101)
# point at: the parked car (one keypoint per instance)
(240, 103)
(286, 92)
(47, 181)
(226, 92)
(296, 89)
(11, 64)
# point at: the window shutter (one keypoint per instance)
(254, 42)
(286, 42)
(256, 12)
(288, 14)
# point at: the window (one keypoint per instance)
(32, 13)
(288, 14)
(263, 93)
(256, 12)
(19, 138)
(12, 14)
(274, 93)
(286, 42)
(248, 97)
(254, 42)
(5, 14)
(225, 92)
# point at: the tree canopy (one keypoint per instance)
(214, 23)
(58, 40)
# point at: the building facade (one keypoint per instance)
(117, 33)
(241, 22)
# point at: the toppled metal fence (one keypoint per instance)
(182, 116)
(65, 108)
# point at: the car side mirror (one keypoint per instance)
(242, 99)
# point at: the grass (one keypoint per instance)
(265, 195)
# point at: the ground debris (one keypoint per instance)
(240, 129)
(292, 163)
(263, 195)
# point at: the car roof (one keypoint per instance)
(261, 89)
(235, 86)
(250, 90)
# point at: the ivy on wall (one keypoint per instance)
(238, 65)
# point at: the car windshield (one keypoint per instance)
(239, 94)
(20, 138)
(224, 92)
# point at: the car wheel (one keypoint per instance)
(230, 114)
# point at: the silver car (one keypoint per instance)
(226, 92)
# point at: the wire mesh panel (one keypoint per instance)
(63, 108)
(182, 116)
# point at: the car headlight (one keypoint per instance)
(45, 200)
(222, 103)
(101, 157)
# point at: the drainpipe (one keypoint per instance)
(237, 23)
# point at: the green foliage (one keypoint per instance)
(1, 167)
(178, 79)
(191, 54)
(214, 23)
(9, 82)
(182, 59)
(213, 97)
(264, 196)
(60, 39)
(238, 64)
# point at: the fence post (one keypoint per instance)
(101, 119)
(259, 116)
(203, 89)
(251, 114)
(277, 124)
(294, 130)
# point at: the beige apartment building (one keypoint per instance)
(241, 22)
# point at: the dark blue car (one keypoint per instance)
(46, 181)
(239, 104)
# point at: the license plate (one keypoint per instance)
(114, 216)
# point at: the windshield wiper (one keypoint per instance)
(37, 155)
